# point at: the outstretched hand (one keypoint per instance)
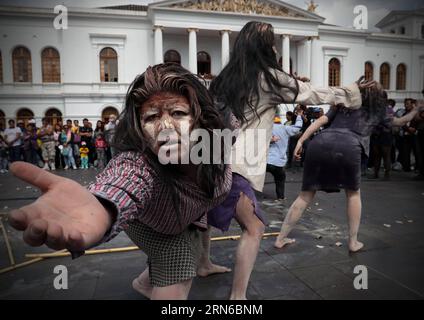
(66, 216)
(301, 78)
(365, 84)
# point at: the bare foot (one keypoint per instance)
(279, 243)
(210, 268)
(355, 246)
(145, 290)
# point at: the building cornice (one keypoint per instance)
(394, 38)
(72, 12)
(334, 30)
(310, 15)
(19, 96)
(324, 29)
(232, 14)
(398, 15)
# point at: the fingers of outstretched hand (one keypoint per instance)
(21, 218)
(367, 84)
(298, 153)
(33, 175)
(41, 232)
(55, 237)
(36, 232)
(75, 241)
(370, 84)
(361, 79)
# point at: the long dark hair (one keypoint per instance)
(102, 126)
(237, 86)
(175, 79)
(374, 102)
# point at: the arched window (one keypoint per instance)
(21, 58)
(401, 77)
(108, 65)
(107, 112)
(53, 116)
(2, 120)
(334, 72)
(172, 56)
(203, 63)
(1, 68)
(50, 61)
(25, 115)
(385, 76)
(369, 71)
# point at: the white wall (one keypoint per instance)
(80, 92)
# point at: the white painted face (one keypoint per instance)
(165, 111)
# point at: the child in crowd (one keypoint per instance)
(66, 146)
(101, 146)
(84, 155)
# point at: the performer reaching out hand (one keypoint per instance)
(160, 207)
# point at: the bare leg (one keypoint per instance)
(177, 291)
(142, 284)
(248, 246)
(295, 212)
(354, 208)
(206, 267)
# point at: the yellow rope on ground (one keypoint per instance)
(124, 249)
(6, 240)
(64, 253)
(23, 264)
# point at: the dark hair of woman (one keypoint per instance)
(290, 114)
(237, 86)
(172, 78)
(101, 127)
(374, 102)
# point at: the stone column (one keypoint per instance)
(225, 47)
(286, 53)
(308, 61)
(158, 44)
(192, 50)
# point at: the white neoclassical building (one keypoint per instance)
(85, 70)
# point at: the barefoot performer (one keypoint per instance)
(160, 207)
(252, 85)
(333, 158)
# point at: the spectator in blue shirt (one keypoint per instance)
(277, 156)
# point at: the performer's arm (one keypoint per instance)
(400, 122)
(294, 129)
(349, 96)
(314, 127)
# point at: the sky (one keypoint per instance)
(337, 12)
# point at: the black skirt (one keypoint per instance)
(332, 162)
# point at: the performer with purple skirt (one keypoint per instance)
(333, 159)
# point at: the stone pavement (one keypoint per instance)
(392, 229)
